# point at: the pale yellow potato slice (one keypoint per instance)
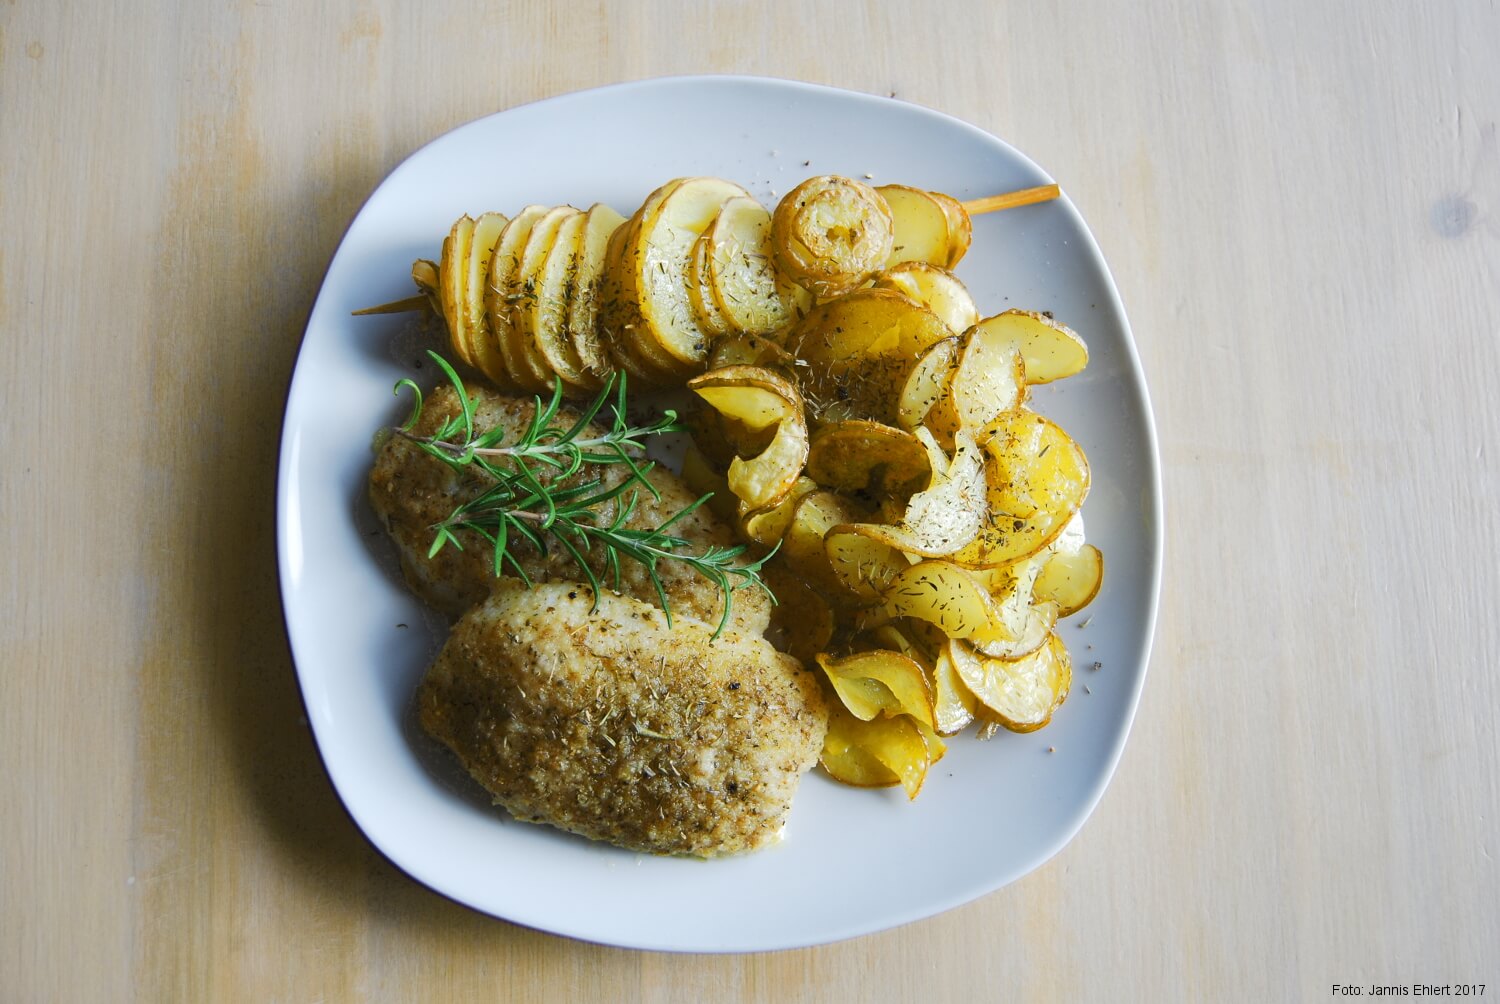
(920, 225)
(928, 383)
(659, 265)
(990, 380)
(750, 350)
(750, 294)
(1019, 694)
(1071, 579)
(863, 566)
(857, 456)
(953, 705)
(546, 318)
(767, 524)
(802, 546)
(452, 268)
(859, 350)
(486, 235)
(880, 682)
(935, 288)
(960, 227)
(702, 479)
(526, 298)
(876, 754)
(1052, 351)
(830, 234)
(584, 294)
(700, 290)
(950, 514)
(1037, 477)
(759, 399)
(504, 263)
(946, 596)
(622, 328)
(424, 272)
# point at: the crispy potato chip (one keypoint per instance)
(863, 566)
(1019, 694)
(989, 381)
(947, 596)
(494, 357)
(600, 223)
(948, 515)
(452, 268)
(920, 226)
(879, 682)
(831, 233)
(749, 292)
(859, 350)
(935, 288)
(1052, 351)
(927, 383)
(960, 227)
(857, 456)
(953, 705)
(759, 399)
(1037, 477)
(876, 754)
(1071, 579)
(767, 524)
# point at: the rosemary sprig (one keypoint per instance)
(520, 504)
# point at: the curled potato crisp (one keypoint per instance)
(831, 234)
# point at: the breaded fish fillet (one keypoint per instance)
(613, 726)
(410, 491)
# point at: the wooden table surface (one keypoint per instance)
(1301, 204)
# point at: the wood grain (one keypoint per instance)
(1301, 205)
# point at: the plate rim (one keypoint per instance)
(1152, 508)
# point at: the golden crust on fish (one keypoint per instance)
(411, 491)
(614, 726)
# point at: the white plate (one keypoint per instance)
(853, 861)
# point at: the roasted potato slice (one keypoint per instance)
(767, 524)
(700, 290)
(659, 261)
(947, 516)
(1052, 351)
(960, 227)
(584, 293)
(876, 754)
(546, 315)
(935, 288)
(802, 622)
(424, 272)
(989, 381)
(927, 383)
(504, 265)
(859, 351)
(879, 682)
(524, 295)
(749, 292)
(953, 705)
(476, 321)
(701, 478)
(750, 350)
(1019, 694)
(1071, 579)
(1037, 477)
(831, 233)
(920, 226)
(863, 566)
(759, 399)
(859, 456)
(946, 596)
(453, 267)
(802, 546)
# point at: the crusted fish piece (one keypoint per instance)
(615, 727)
(411, 491)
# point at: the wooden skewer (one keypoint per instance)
(975, 207)
(1010, 200)
(397, 307)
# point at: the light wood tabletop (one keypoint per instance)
(1300, 203)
